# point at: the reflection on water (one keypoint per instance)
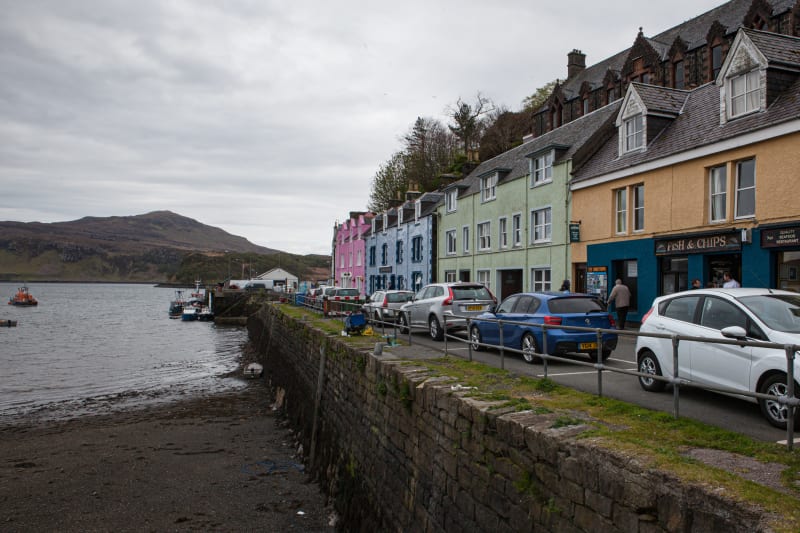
(88, 348)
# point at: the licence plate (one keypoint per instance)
(588, 346)
(474, 307)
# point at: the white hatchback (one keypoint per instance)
(745, 314)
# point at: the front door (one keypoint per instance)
(510, 282)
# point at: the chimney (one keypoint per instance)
(576, 63)
(412, 195)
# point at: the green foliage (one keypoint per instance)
(539, 97)
(213, 268)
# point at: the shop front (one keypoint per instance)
(783, 245)
(705, 257)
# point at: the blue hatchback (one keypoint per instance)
(553, 309)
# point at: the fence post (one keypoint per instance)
(790, 408)
(445, 332)
(599, 363)
(675, 385)
(502, 351)
(544, 349)
(469, 338)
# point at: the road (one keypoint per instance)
(727, 412)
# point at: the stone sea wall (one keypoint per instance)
(400, 450)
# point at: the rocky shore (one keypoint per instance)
(221, 463)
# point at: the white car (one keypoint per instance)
(745, 314)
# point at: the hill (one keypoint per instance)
(155, 247)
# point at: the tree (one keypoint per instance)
(506, 131)
(468, 125)
(429, 152)
(538, 98)
(388, 184)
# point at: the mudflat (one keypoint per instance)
(223, 463)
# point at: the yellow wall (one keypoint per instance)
(676, 197)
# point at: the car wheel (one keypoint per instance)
(436, 330)
(404, 324)
(606, 355)
(529, 349)
(776, 413)
(648, 364)
(475, 339)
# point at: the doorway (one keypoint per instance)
(510, 282)
(719, 264)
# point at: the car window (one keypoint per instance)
(425, 292)
(523, 304)
(718, 313)
(679, 308)
(508, 304)
(574, 305)
(347, 292)
(778, 312)
(399, 297)
(477, 292)
(533, 306)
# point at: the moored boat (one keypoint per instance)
(176, 305)
(23, 298)
(7, 323)
(189, 313)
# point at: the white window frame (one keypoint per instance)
(502, 232)
(351, 258)
(465, 238)
(541, 225)
(749, 189)
(516, 229)
(637, 192)
(450, 242)
(359, 258)
(633, 129)
(541, 279)
(451, 201)
(621, 211)
(542, 169)
(489, 188)
(450, 276)
(484, 235)
(385, 222)
(718, 193)
(417, 210)
(744, 91)
(484, 277)
(399, 216)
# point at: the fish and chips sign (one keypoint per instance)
(696, 245)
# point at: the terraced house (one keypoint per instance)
(348, 251)
(697, 183)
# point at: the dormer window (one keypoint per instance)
(634, 134)
(399, 216)
(679, 80)
(541, 169)
(744, 93)
(417, 210)
(489, 188)
(450, 200)
(385, 222)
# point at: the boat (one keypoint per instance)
(189, 313)
(7, 323)
(205, 314)
(176, 305)
(23, 298)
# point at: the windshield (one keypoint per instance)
(574, 305)
(397, 297)
(780, 312)
(478, 292)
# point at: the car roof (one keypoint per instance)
(735, 293)
(546, 295)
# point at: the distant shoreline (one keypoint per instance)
(153, 283)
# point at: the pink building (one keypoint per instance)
(349, 262)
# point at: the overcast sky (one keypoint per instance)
(267, 119)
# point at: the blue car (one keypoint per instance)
(553, 309)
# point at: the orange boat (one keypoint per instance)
(23, 297)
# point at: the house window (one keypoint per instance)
(358, 258)
(400, 216)
(385, 222)
(416, 249)
(744, 94)
(716, 60)
(540, 279)
(634, 134)
(341, 261)
(350, 258)
(503, 233)
(450, 239)
(450, 276)
(465, 238)
(483, 278)
(416, 281)
(372, 256)
(450, 200)
(542, 225)
(399, 253)
(718, 193)
(385, 254)
(484, 236)
(638, 207)
(586, 106)
(679, 81)
(417, 210)
(621, 210)
(610, 95)
(746, 188)
(542, 169)
(516, 230)
(489, 188)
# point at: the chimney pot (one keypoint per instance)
(576, 63)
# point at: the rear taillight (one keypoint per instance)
(646, 315)
(552, 320)
(612, 322)
(449, 299)
(385, 301)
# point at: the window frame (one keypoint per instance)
(484, 273)
(621, 213)
(538, 225)
(713, 194)
(451, 245)
(542, 284)
(739, 191)
(541, 169)
(502, 232)
(633, 130)
(451, 201)
(465, 238)
(750, 97)
(484, 233)
(516, 230)
(638, 207)
(489, 188)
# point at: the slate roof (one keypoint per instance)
(569, 138)
(698, 125)
(777, 48)
(693, 33)
(662, 100)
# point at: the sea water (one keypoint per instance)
(94, 348)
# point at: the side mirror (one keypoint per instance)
(734, 332)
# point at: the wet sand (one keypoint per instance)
(222, 463)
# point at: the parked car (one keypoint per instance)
(338, 300)
(384, 306)
(552, 309)
(745, 314)
(455, 300)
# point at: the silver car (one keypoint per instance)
(384, 306)
(456, 301)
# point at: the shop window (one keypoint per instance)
(746, 188)
(718, 193)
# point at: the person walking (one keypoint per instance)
(728, 282)
(621, 296)
(565, 286)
